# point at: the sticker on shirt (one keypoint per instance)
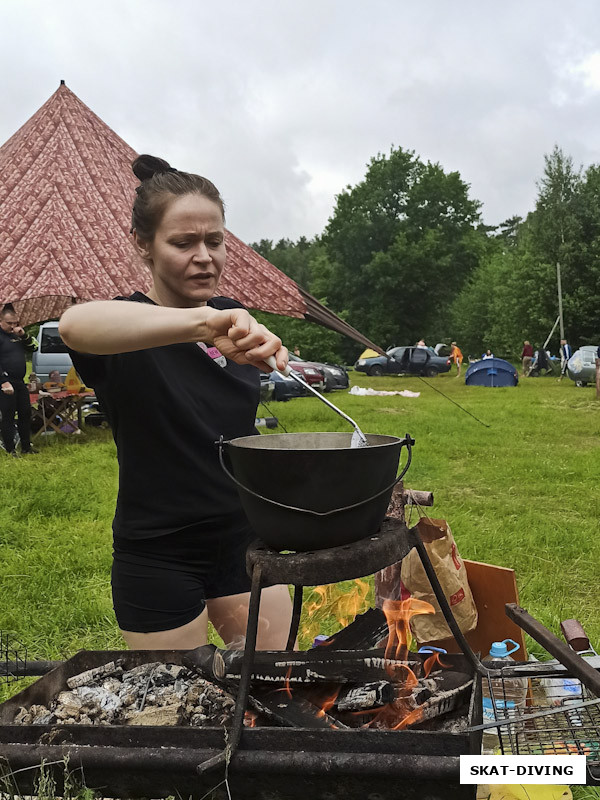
(214, 353)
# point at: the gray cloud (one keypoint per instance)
(282, 105)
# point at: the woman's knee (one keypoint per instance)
(186, 637)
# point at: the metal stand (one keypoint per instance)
(268, 568)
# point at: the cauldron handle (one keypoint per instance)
(407, 442)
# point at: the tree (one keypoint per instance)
(400, 245)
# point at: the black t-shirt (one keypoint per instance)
(12, 356)
(167, 406)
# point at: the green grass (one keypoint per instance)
(522, 493)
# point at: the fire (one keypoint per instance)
(249, 719)
(329, 601)
(398, 614)
(431, 662)
(401, 713)
(286, 689)
(328, 703)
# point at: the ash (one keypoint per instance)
(151, 694)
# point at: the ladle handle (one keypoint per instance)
(291, 373)
(270, 360)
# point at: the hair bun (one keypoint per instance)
(145, 166)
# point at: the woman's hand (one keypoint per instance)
(242, 339)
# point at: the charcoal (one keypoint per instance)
(370, 695)
(96, 673)
(153, 694)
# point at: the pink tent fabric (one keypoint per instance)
(66, 192)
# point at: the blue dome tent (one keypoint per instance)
(491, 372)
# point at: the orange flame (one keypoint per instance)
(329, 601)
(321, 592)
(400, 713)
(398, 614)
(433, 661)
(249, 719)
(328, 703)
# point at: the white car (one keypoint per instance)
(582, 365)
(51, 354)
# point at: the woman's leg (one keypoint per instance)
(186, 637)
(229, 615)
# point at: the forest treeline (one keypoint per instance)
(406, 255)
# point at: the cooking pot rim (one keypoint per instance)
(374, 440)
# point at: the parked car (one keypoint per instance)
(284, 388)
(405, 360)
(582, 365)
(267, 387)
(336, 377)
(311, 373)
(51, 354)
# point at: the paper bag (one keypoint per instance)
(452, 575)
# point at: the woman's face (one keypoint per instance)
(187, 254)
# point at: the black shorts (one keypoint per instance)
(162, 583)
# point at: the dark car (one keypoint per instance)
(312, 373)
(405, 361)
(284, 388)
(336, 377)
(267, 387)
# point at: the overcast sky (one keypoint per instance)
(283, 104)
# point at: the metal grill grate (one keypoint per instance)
(13, 658)
(571, 731)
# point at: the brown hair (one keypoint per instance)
(158, 180)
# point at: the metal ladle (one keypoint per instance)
(358, 437)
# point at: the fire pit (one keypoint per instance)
(131, 761)
(308, 759)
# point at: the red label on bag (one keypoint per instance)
(455, 557)
(457, 597)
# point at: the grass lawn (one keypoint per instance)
(522, 493)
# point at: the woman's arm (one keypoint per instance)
(105, 327)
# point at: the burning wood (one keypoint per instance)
(319, 665)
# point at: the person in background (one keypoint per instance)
(526, 357)
(297, 351)
(14, 396)
(598, 374)
(565, 354)
(456, 356)
(180, 532)
(54, 382)
(34, 384)
(421, 343)
(488, 354)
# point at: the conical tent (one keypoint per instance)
(66, 192)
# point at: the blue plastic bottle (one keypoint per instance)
(510, 697)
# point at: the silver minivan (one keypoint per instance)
(51, 353)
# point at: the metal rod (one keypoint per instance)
(290, 373)
(577, 665)
(295, 621)
(526, 717)
(241, 701)
(444, 605)
(155, 759)
(19, 669)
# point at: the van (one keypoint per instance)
(51, 353)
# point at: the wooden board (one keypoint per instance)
(492, 588)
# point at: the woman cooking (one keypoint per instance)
(180, 534)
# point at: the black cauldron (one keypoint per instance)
(310, 491)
